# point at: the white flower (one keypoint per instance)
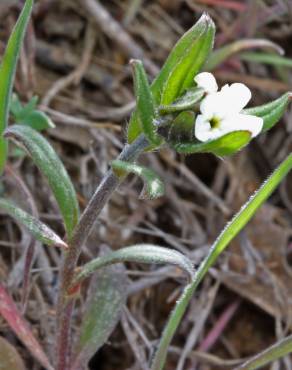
(207, 82)
(220, 113)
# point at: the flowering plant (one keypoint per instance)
(182, 109)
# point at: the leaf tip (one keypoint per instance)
(135, 62)
(206, 18)
(62, 244)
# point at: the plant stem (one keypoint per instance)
(101, 196)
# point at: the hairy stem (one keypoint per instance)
(101, 196)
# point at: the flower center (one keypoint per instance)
(215, 122)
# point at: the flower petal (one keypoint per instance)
(204, 131)
(207, 82)
(245, 122)
(235, 97)
(214, 105)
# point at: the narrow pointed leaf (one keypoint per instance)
(39, 230)
(20, 327)
(187, 101)
(154, 187)
(182, 75)
(224, 146)
(145, 103)
(188, 56)
(7, 73)
(52, 168)
(107, 297)
(271, 112)
(227, 235)
(220, 55)
(142, 253)
(278, 350)
(183, 63)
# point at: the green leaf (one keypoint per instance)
(145, 103)
(278, 350)
(227, 235)
(142, 253)
(220, 55)
(182, 75)
(178, 72)
(39, 230)
(182, 128)
(107, 297)
(187, 101)
(224, 146)
(154, 187)
(7, 74)
(270, 112)
(52, 168)
(29, 115)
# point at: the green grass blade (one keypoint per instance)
(7, 74)
(226, 236)
(141, 253)
(52, 168)
(273, 353)
(38, 229)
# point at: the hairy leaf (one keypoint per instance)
(7, 73)
(187, 101)
(227, 235)
(154, 187)
(224, 146)
(181, 77)
(145, 103)
(270, 112)
(20, 327)
(107, 297)
(39, 230)
(142, 253)
(52, 168)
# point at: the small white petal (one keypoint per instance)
(206, 81)
(246, 122)
(214, 105)
(204, 131)
(235, 97)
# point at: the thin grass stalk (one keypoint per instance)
(227, 235)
